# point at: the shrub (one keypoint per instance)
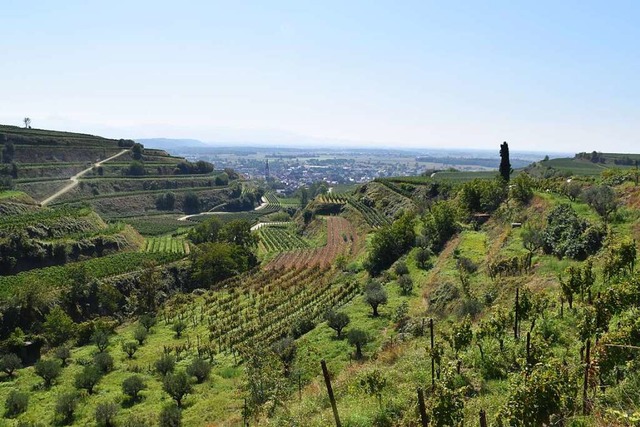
(140, 334)
(58, 327)
(401, 268)
(147, 321)
(357, 338)
(48, 370)
(130, 348)
(106, 414)
(88, 378)
(101, 339)
(200, 369)
(16, 403)
(63, 353)
(422, 258)
(170, 416)
(406, 284)
(104, 362)
(132, 386)
(375, 295)
(337, 321)
(66, 406)
(177, 386)
(165, 364)
(178, 327)
(10, 363)
(301, 327)
(136, 421)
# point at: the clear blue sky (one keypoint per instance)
(545, 75)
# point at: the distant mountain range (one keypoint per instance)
(169, 143)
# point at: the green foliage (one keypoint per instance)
(170, 416)
(65, 408)
(88, 378)
(179, 327)
(147, 321)
(16, 403)
(48, 370)
(104, 362)
(357, 338)
(132, 386)
(462, 335)
(440, 223)
(101, 339)
(547, 393)
(481, 195)
(445, 407)
(165, 364)
(401, 268)
(532, 236)
(166, 201)
(206, 231)
(130, 348)
(406, 284)
(390, 243)
(191, 203)
(375, 295)
(568, 235)
(63, 354)
(505, 166)
(177, 386)
(214, 262)
(200, 369)
(522, 188)
(9, 363)
(136, 168)
(373, 383)
(137, 150)
(620, 258)
(285, 349)
(337, 320)
(603, 200)
(106, 413)
(140, 334)
(58, 327)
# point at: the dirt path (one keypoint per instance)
(74, 179)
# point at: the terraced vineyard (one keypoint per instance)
(51, 278)
(155, 225)
(259, 308)
(341, 239)
(280, 238)
(373, 217)
(174, 245)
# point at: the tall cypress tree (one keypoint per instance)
(505, 166)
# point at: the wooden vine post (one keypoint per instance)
(433, 362)
(483, 418)
(423, 411)
(528, 349)
(515, 324)
(332, 399)
(587, 367)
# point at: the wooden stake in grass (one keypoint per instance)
(422, 408)
(332, 399)
(433, 362)
(515, 324)
(528, 349)
(483, 418)
(587, 367)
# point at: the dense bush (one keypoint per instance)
(9, 363)
(132, 386)
(569, 235)
(177, 386)
(104, 362)
(166, 201)
(200, 369)
(88, 378)
(390, 243)
(48, 370)
(170, 416)
(165, 364)
(66, 405)
(16, 403)
(105, 414)
(189, 168)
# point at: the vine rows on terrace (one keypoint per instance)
(341, 239)
(280, 239)
(262, 307)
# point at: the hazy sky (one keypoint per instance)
(545, 75)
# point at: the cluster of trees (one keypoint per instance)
(390, 242)
(568, 235)
(166, 201)
(223, 250)
(189, 168)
